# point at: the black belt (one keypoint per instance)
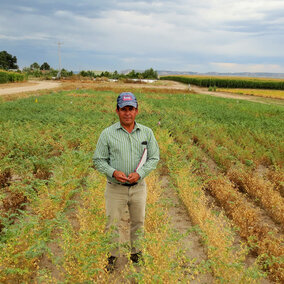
(124, 184)
(132, 184)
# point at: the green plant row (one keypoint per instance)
(8, 77)
(228, 82)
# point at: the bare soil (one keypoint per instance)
(30, 86)
(180, 222)
(171, 86)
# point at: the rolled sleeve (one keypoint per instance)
(141, 173)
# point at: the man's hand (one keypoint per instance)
(120, 176)
(133, 177)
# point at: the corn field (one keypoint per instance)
(9, 77)
(229, 82)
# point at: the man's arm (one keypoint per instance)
(153, 157)
(101, 156)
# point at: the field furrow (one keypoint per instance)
(226, 258)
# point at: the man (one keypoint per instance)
(126, 153)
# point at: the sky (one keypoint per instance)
(175, 35)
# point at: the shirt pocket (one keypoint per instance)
(139, 147)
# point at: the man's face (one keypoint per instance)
(127, 115)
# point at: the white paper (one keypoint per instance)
(142, 161)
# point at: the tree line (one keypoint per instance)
(147, 74)
(9, 62)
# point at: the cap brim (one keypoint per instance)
(124, 104)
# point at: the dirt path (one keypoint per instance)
(180, 222)
(262, 100)
(15, 88)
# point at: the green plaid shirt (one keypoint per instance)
(120, 150)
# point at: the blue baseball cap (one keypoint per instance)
(126, 99)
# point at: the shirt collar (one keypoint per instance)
(136, 126)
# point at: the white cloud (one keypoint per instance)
(182, 33)
(34, 36)
(26, 9)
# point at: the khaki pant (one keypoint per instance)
(118, 200)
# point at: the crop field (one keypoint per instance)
(222, 157)
(6, 77)
(276, 94)
(233, 77)
(228, 82)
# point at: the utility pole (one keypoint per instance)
(59, 57)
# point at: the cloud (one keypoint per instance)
(34, 36)
(175, 34)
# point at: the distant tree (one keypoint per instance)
(35, 66)
(105, 74)
(150, 74)
(45, 66)
(88, 73)
(65, 73)
(7, 61)
(115, 75)
(132, 74)
(83, 73)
